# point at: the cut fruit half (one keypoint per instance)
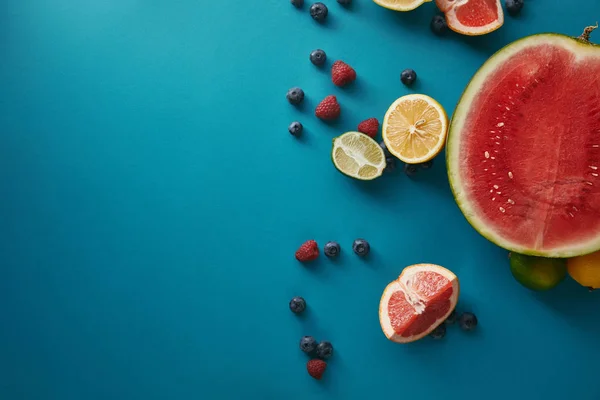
(417, 302)
(414, 128)
(358, 156)
(472, 17)
(401, 5)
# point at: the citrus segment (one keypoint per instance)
(400, 5)
(417, 302)
(358, 156)
(472, 17)
(414, 128)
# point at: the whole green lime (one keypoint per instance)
(537, 273)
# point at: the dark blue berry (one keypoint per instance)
(295, 95)
(386, 152)
(308, 344)
(297, 305)
(319, 11)
(438, 332)
(426, 164)
(408, 77)
(410, 169)
(332, 249)
(295, 128)
(324, 350)
(318, 57)
(438, 24)
(297, 3)
(344, 2)
(467, 321)
(390, 164)
(361, 247)
(514, 6)
(451, 318)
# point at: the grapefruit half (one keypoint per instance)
(472, 17)
(417, 302)
(523, 150)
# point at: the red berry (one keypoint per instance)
(342, 74)
(309, 251)
(316, 368)
(328, 109)
(369, 127)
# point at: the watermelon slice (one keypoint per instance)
(523, 150)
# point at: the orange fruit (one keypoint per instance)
(472, 17)
(417, 302)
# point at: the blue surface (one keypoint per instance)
(152, 201)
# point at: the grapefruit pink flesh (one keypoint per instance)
(417, 302)
(472, 17)
(524, 147)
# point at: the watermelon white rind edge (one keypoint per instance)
(577, 46)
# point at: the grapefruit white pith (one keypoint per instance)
(472, 17)
(417, 302)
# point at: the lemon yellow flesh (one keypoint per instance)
(400, 5)
(414, 128)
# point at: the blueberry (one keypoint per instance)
(297, 3)
(410, 169)
(386, 152)
(324, 350)
(295, 128)
(451, 318)
(319, 11)
(438, 24)
(390, 164)
(426, 164)
(318, 57)
(308, 344)
(408, 76)
(332, 249)
(344, 2)
(467, 321)
(295, 95)
(297, 305)
(438, 332)
(361, 247)
(514, 6)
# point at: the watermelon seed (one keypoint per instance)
(502, 209)
(593, 167)
(511, 201)
(500, 124)
(493, 158)
(596, 145)
(571, 214)
(589, 183)
(495, 186)
(499, 192)
(507, 108)
(594, 174)
(510, 175)
(493, 198)
(487, 155)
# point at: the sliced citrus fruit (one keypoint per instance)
(472, 17)
(414, 128)
(358, 156)
(401, 5)
(417, 302)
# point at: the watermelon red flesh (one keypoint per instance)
(531, 149)
(434, 292)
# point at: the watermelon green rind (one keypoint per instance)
(453, 141)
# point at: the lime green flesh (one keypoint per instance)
(487, 222)
(537, 273)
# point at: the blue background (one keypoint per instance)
(152, 201)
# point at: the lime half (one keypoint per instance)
(358, 156)
(537, 273)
